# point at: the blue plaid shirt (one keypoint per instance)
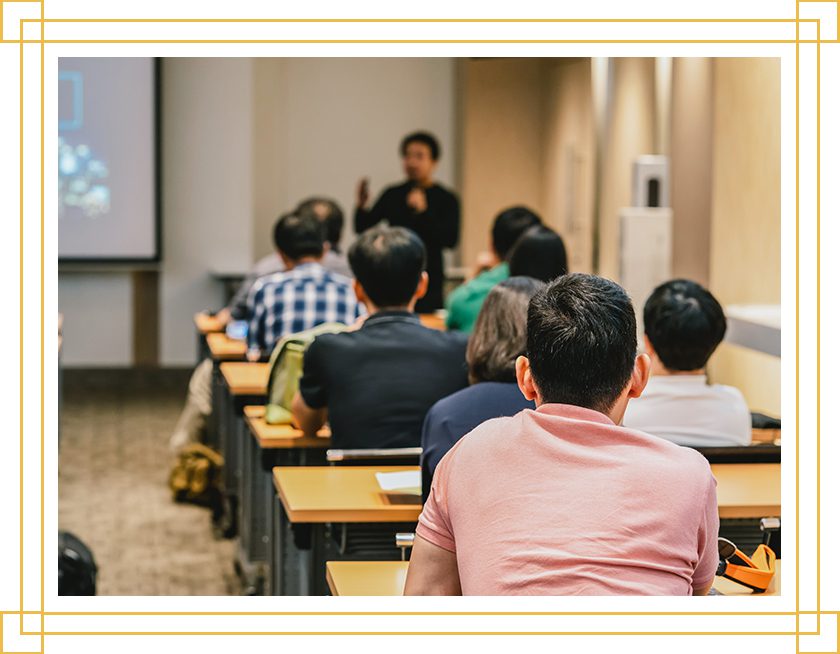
(295, 300)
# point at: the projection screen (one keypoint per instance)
(108, 201)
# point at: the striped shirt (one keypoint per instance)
(292, 301)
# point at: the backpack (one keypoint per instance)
(76, 567)
(197, 476)
(286, 368)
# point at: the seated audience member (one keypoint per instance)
(563, 500)
(342, 307)
(303, 296)
(539, 253)
(464, 303)
(376, 383)
(328, 212)
(495, 343)
(684, 324)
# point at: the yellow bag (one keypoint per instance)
(196, 476)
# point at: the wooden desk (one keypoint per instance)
(766, 436)
(261, 449)
(224, 348)
(351, 494)
(387, 578)
(236, 385)
(270, 437)
(244, 378)
(343, 494)
(342, 513)
(748, 490)
(384, 578)
(433, 321)
(207, 324)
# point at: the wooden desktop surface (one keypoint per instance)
(277, 437)
(387, 578)
(347, 578)
(351, 494)
(244, 378)
(224, 348)
(342, 494)
(766, 436)
(207, 324)
(748, 490)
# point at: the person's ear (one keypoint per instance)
(361, 296)
(422, 285)
(639, 378)
(524, 379)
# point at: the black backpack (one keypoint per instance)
(76, 567)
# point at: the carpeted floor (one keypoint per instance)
(113, 494)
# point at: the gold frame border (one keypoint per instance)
(42, 41)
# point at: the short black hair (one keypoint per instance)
(581, 341)
(684, 323)
(509, 225)
(327, 211)
(539, 253)
(299, 236)
(388, 262)
(421, 137)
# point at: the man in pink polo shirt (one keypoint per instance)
(562, 500)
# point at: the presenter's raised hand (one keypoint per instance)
(362, 193)
(416, 199)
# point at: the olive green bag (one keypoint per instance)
(286, 368)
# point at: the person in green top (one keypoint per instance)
(464, 303)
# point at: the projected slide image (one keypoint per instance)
(106, 158)
(82, 176)
(82, 180)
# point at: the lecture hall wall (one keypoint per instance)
(561, 136)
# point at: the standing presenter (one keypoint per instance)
(420, 204)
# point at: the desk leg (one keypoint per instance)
(202, 351)
(251, 553)
(256, 495)
(217, 390)
(232, 436)
(290, 564)
(289, 571)
(323, 550)
(276, 546)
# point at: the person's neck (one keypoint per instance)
(402, 308)
(423, 183)
(303, 260)
(658, 369)
(614, 413)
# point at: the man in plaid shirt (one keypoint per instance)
(303, 296)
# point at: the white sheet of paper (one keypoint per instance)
(401, 481)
